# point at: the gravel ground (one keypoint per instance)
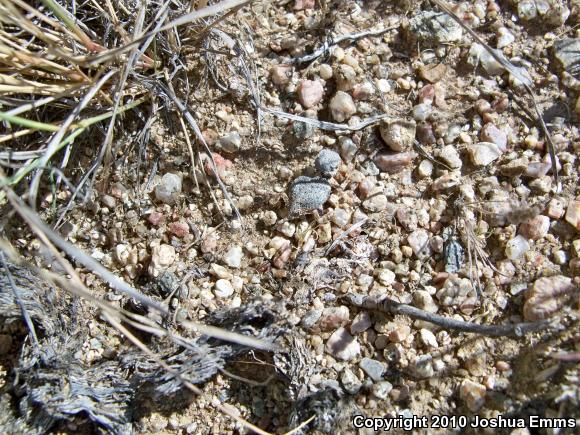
(445, 200)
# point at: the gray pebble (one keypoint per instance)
(308, 193)
(327, 163)
(350, 382)
(373, 368)
(382, 389)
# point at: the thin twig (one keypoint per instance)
(333, 42)
(390, 306)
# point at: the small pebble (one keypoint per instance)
(233, 257)
(516, 247)
(231, 142)
(327, 162)
(310, 93)
(393, 163)
(308, 193)
(573, 214)
(223, 288)
(382, 389)
(450, 156)
(360, 323)
(399, 334)
(350, 382)
(376, 203)
(418, 240)
(333, 317)
(546, 297)
(473, 394)
(535, 228)
(422, 111)
(373, 368)
(162, 257)
(281, 74)
(168, 190)
(490, 133)
(398, 134)
(483, 153)
(342, 345)
(342, 106)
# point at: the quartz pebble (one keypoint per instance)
(280, 74)
(310, 93)
(348, 148)
(223, 288)
(162, 257)
(333, 317)
(428, 338)
(342, 106)
(458, 292)
(180, 229)
(516, 247)
(431, 25)
(432, 73)
(327, 162)
(360, 323)
(350, 382)
(400, 333)
(373, 368)
(398, 134)
(382, 389)
(231, 142)
(308, 193)
(546, 297)
(450, 156)
(423, 300)
(535, 228)
(573, 214)
(342, 345)
(483, 153)
(418, 240)
(233, 257)
(168, 190)
(376, 203)
(393, 163)
(473, 394)
(504, 37)
(490, 133)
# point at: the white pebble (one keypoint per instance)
(223, 288)
(516, 247)
(233, 257)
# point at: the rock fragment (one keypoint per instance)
(233, 257)
(398, 134)
(342, 106)
(360, 323)
(327, 162)
(516, 247)
(546, 297)
(169, 189)
(162, 257)
(437, 26)
(310, 93)
(535, 228)
(393, 163)
(373, 368)
(342, 345)
(483, 153)
(223, 288)
(308, 193)
(473, 394)
(573, 214)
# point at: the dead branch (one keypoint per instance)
(389, 306)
